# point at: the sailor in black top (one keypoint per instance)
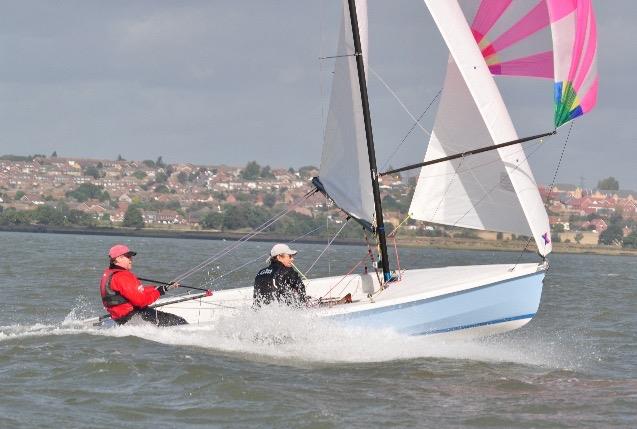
(279, 281)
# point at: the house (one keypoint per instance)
(170, 217)
(598, 225)
(96, 210)
(34, 199)
(302, 211)
(627, 231)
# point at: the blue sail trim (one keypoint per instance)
(557, 93)
(575, 113)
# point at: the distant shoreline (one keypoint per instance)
(430, 242)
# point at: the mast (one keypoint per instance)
(362, 83)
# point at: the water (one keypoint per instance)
(574, 365)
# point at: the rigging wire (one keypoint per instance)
(261, 256)
(393, 235)
(400, 272)
(393, 93)
(559, 164)
(413, 127)
(500, 182)
(550, 190)
(337, 56)
(243, 239)
(244, 265)
(329, 243)
(343, 277)
(395, 231)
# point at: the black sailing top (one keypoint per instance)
(279, 283)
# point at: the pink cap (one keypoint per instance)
(119, 250)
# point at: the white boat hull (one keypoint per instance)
(476, 300)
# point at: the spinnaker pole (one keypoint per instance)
(362, 83)
(467, 153)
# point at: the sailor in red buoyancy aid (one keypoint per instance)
(124, 296)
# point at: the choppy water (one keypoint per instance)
(574, 365)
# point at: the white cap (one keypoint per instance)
(281, 249)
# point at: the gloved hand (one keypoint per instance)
(164, 288)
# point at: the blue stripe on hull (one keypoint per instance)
(491, 304)
(476, 325)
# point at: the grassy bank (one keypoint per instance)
(431, 242)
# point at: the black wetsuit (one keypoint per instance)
(278, 283)
(156, 317)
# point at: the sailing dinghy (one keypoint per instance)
(475, 174)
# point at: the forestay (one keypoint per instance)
(345, 173)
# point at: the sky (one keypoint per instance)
(226, 82)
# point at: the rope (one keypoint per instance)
(344, 276)
(413, 127)
(548, 197)
(371, 257)
(559, 164)
(521, 253)
(395, 231)
(329, 243)
(397, 258)
(300, 272)
(214, 304)
(242, 240)
(257, 258)
(392, 235)
(417, 121)
(337, 56)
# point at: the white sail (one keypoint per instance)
(488, 102)
(474, 192)
(344, 172)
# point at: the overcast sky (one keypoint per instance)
(226, 82)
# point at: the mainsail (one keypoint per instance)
(497, 191)
(345, 172)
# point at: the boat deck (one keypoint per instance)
(415, 286)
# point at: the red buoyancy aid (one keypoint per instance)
(122, 292)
